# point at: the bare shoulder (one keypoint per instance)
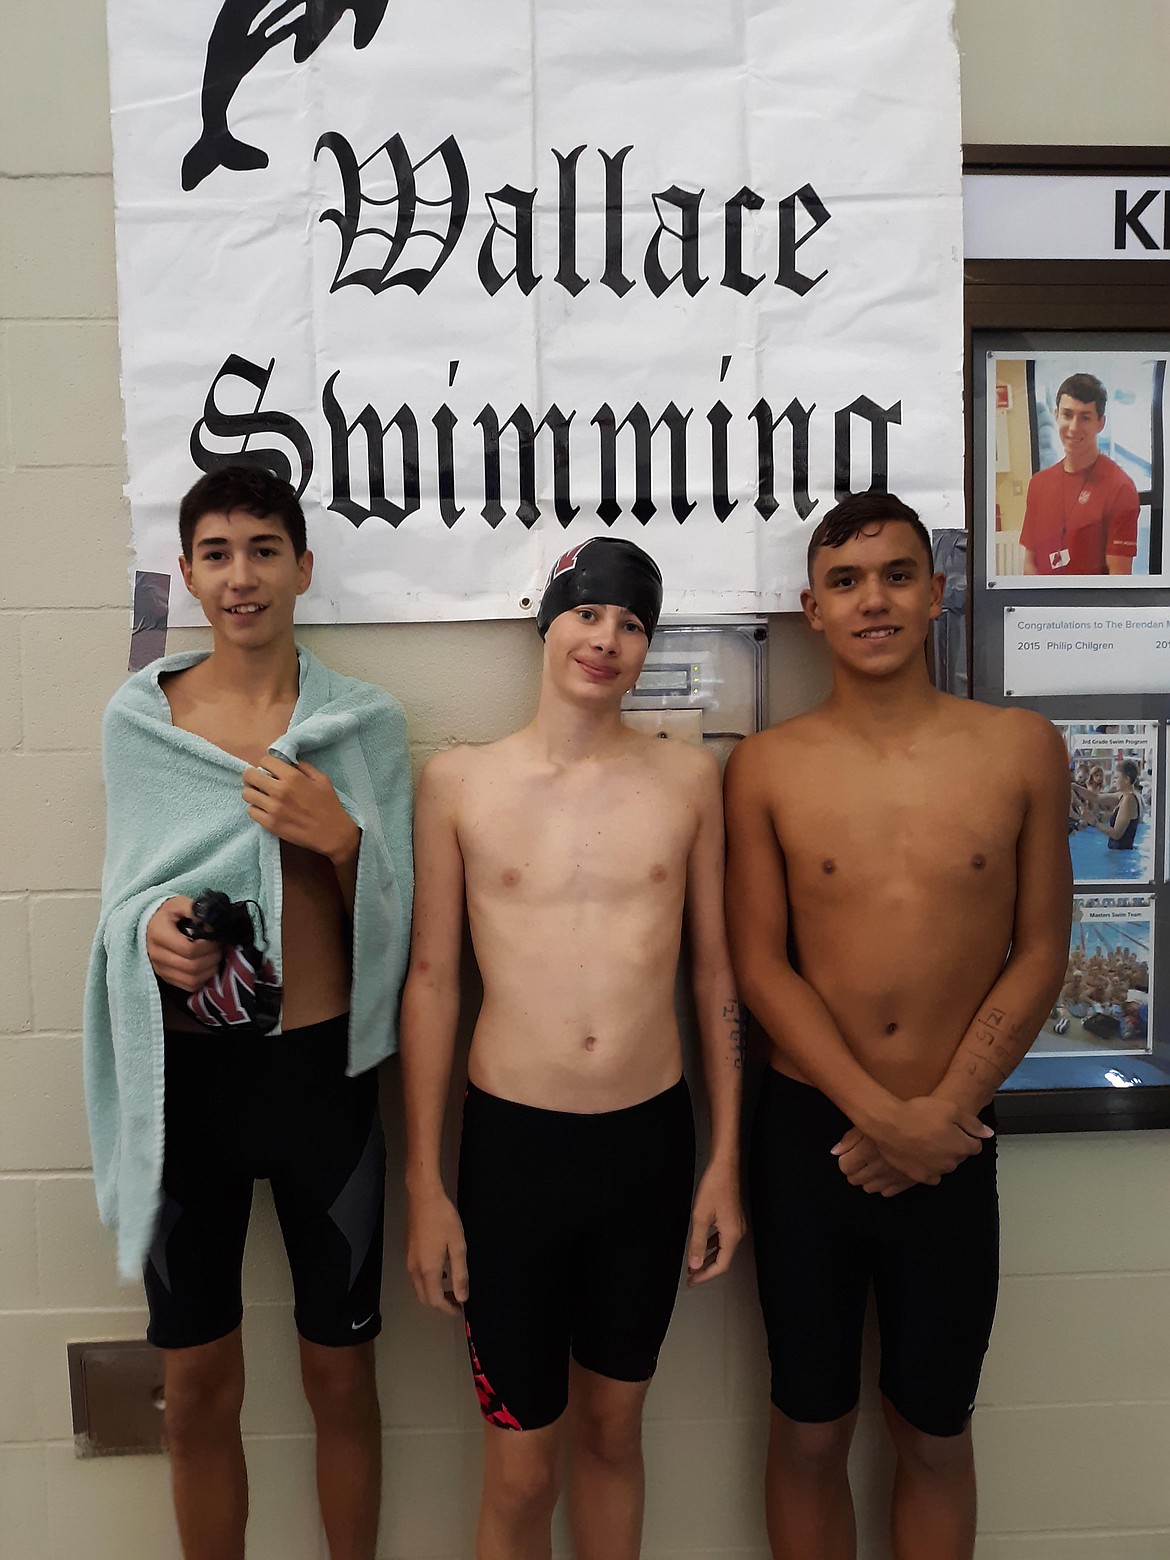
(687, 762)
(471, 770)
(1016, 732)
(469, 760)
(686, 774)
(1022, 747)
(445, 773)
(766, 759)
(445, 766)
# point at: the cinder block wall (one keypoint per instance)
(1074, 1421)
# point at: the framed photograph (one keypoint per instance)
(1100, 1031)
(1113, 779)
(1076, 484)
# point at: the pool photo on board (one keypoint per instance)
(1105, 1003)
(1113, 774)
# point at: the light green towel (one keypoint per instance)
(176, 824)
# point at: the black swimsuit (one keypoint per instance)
(240, 1107)
(930, 1254)
(1125, 840)
(576, 1229)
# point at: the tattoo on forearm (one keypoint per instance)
(995, 1042)
(733, 1017)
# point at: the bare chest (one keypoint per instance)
(891, 831)
(246, 735)
(550, 845)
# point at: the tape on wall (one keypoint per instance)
(148, 634)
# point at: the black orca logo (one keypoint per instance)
(243, 33)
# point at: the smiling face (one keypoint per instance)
(874, 597)
(246, 576)
(594, 652)
(1079, 425)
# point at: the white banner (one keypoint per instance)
(485, 280)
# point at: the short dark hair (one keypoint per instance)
(253, 489)
(853, 514)
(1084, 387)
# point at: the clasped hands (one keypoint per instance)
(924, 1139)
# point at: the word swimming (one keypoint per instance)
(397, 448)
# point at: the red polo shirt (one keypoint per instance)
(1090, 514)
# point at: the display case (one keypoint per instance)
(1067, 341)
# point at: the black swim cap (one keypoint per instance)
(605, 571)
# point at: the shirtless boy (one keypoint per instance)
(576, 845)
(257, 772)
(898, 898)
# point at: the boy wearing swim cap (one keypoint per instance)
(901, 939)
(576, 847)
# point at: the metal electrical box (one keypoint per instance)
(116, 1389)
(704, 682)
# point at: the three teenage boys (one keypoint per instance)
(255, 772)
(910, 847)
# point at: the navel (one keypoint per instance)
(978, 862)
(892, 1028)
(828, 867)
(590, 1042)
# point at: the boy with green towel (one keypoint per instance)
(235, 1037)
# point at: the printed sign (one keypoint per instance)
(483, 281)
(1059, 649)
(1011, 216)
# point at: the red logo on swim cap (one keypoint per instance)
(567, 562)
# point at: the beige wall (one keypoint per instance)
(1074, 1427)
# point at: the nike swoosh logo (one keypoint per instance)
(357, 1326)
